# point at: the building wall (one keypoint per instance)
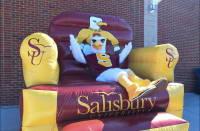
(20, 18)
(178, 23)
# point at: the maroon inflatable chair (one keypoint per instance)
(83, 104)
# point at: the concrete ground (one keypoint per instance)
(10, 120)
(192, 110)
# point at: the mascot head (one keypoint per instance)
(96, 23)
(98, 43)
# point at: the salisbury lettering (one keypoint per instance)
(86, 106)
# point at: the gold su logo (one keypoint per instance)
(171, 56)
(36, 51)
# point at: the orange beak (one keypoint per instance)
(97, 45)
(102, 24)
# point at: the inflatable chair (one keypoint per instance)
(76, 101)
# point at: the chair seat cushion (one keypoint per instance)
(91, 99)
(95, 99)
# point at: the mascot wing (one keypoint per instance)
(125, 52)
(76, 50)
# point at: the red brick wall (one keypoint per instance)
(23, 17)
(178, 23)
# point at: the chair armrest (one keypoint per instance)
(154, 62)
(176, 95)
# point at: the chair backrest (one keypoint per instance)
(71, 23)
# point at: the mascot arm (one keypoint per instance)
(76, 50)
(125, 52)
(113, 40)
(83, 35)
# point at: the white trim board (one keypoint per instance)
(150, 22)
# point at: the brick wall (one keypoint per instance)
(178, 23)
(23, 17)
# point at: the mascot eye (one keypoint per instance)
(102, 40)
(94, 21)
(93, 41)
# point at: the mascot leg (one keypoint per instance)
(133, 89)
(134, 78)
(142, 82)
(136, 91)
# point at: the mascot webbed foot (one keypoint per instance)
(155, 86)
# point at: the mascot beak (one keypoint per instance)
(102, 24)
(97, 45)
